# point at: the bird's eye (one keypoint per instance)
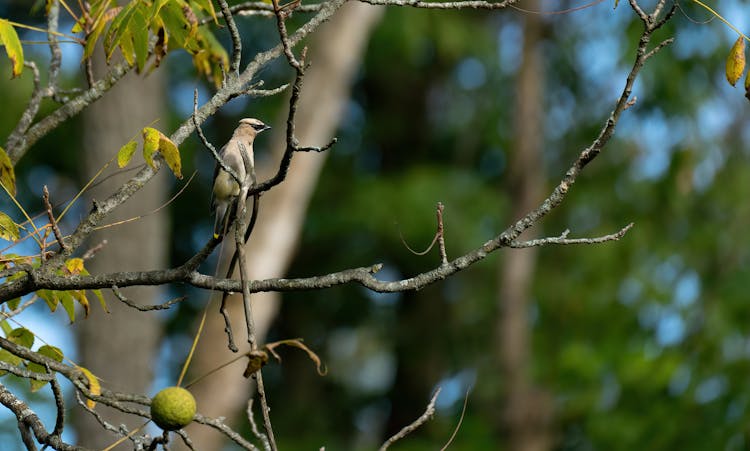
(258, 126)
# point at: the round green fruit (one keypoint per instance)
(173, 408)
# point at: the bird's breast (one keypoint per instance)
(225, 186)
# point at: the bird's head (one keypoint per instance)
(251, 126)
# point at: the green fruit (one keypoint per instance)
(173, 408)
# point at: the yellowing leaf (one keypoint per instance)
(94, 386)
(125, 154)
(7, 174)
(150, 144)
(736, 61)
(75, 265)
(171, 155)
(98, 294)
(207, 6)
(9, 38)
(80, 296)
(8, 228)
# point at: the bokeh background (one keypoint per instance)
(638, 344)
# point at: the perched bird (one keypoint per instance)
(226, 189)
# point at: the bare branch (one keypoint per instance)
(562, 239)
(234, 67)
(254, 427)
(219, 425)
(55, 61)
(29, 421)
(51, 217)
(424, 418)
(249, 320)
(145, 308)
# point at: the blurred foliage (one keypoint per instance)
(643, 343)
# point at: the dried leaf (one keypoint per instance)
(9, 38)
(94, 387)
(297, 343)
(8, 229)
(256, 360)
(736, 61)
(7, 174)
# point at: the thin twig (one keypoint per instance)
(440, 234)
(59, 403)
(424, 418)
(249, 320)
(51, 217)
(234, 66)
(145, 308)
(254, 427)
(562, 239)
(55, 61)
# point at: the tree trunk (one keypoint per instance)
(528, 410)
(335, 54)
(120, 347)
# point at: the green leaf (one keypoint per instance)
(207, 6)
(171, 155)
(150, 144)
(22, 337)
(177, 25)
(97, 29)
(125, 154)
(5, 327)
(8, 229)
(53, 353)
(68, 303)
(7, 174)
(736, 61)
(9, 38)
(140, 39)
(117, 30)
(13, 303)
(50, 297)
(7, 357)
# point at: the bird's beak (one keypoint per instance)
(266, 127)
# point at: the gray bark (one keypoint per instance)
(120, 347)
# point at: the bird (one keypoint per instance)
(225, 187)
